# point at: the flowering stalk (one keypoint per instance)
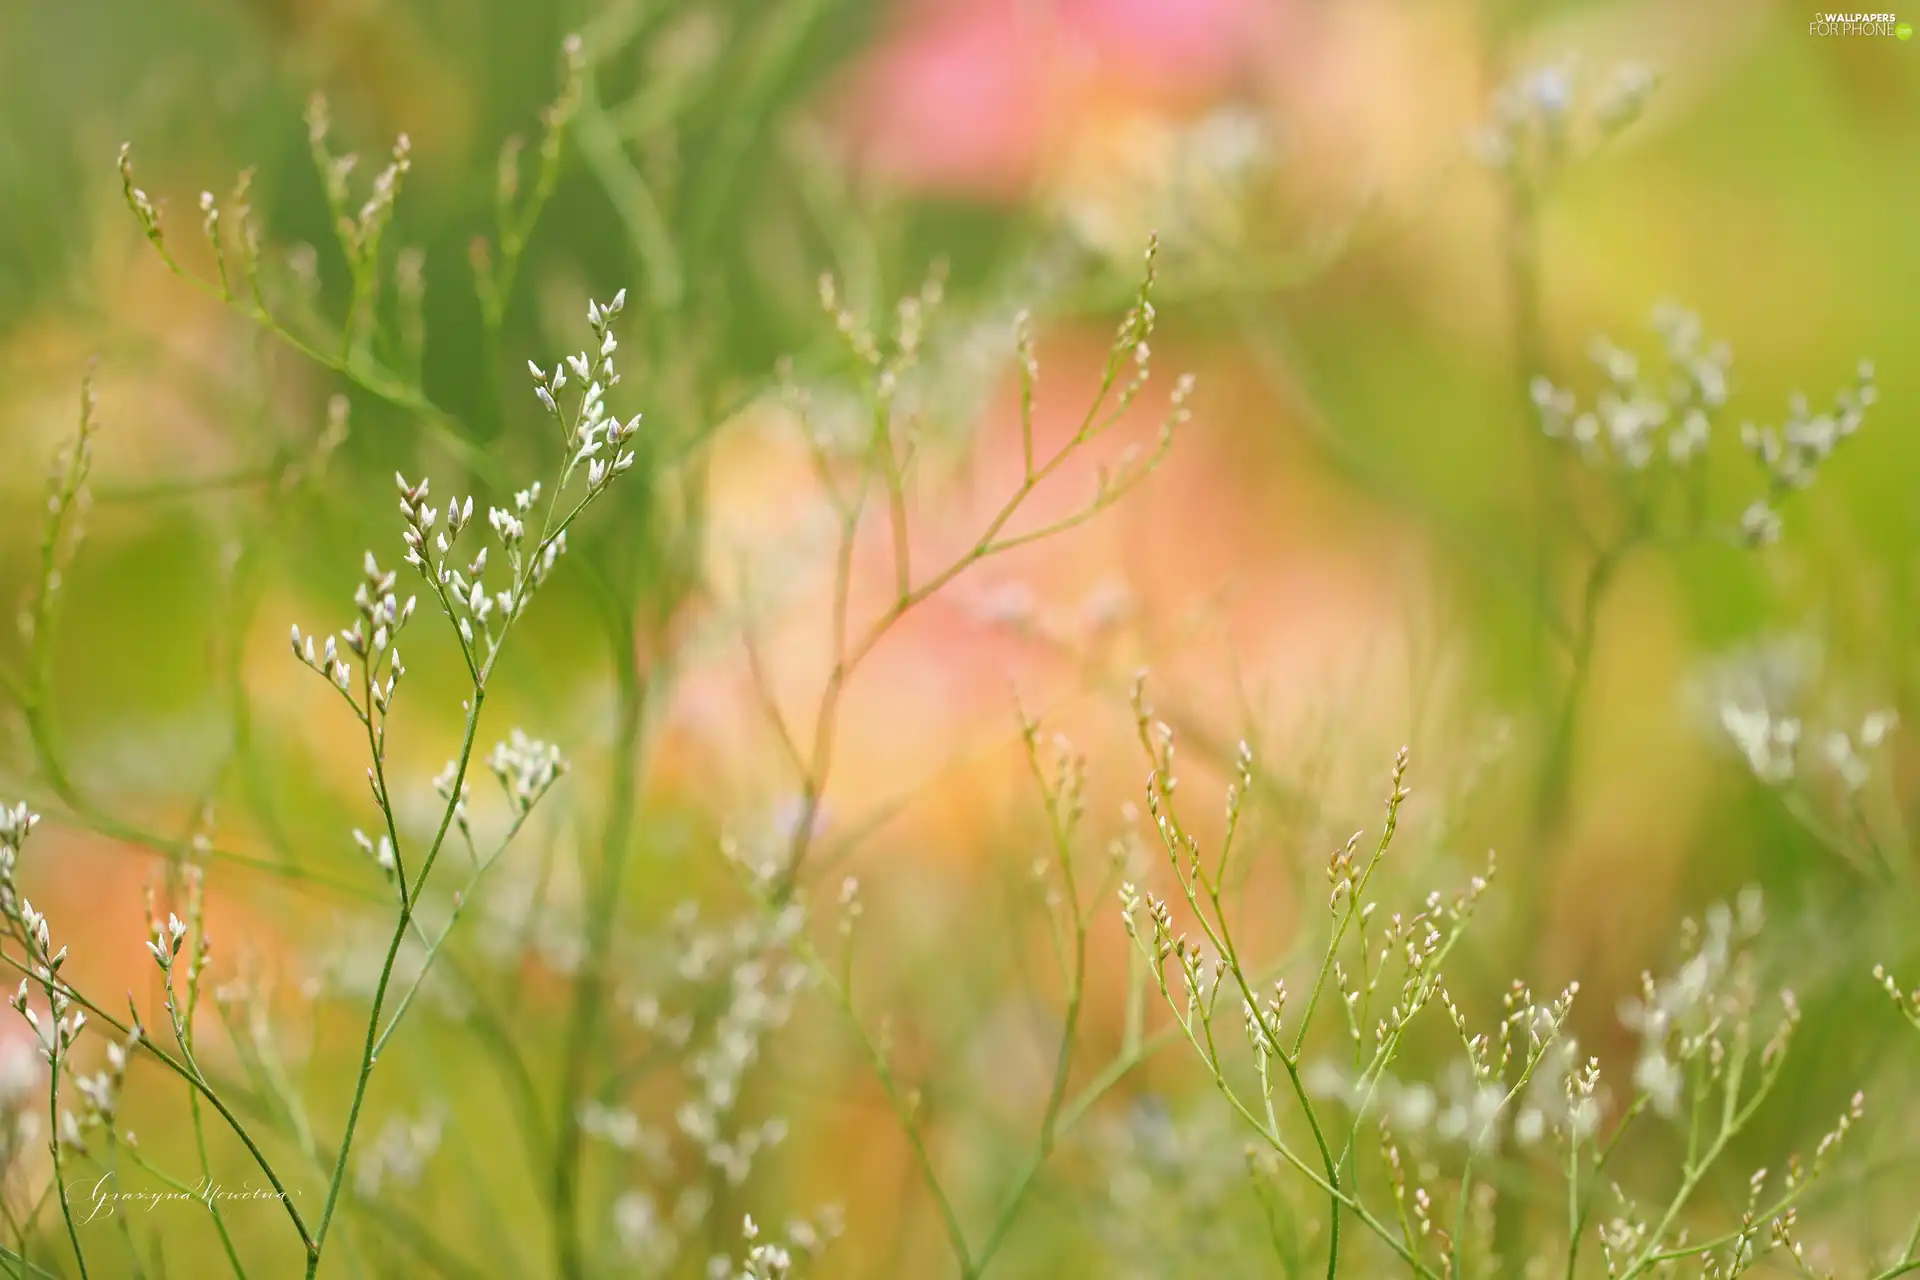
(481, 620)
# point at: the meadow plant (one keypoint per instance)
(1396, 1164)
(738, 987)
(1369, 1099)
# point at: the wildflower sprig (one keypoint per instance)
(1648, 435)
(1820, 764)
(768, 1260)
(527, 770)
(1651, 432)
(1791, 456)
(1548, 116)
(40, 965)
(1214, 965)
(1499, 1076)
(481, 617)
(1907, 1002)
(880, 463)
(1707, 1063)
(54, 1038)
(591, 437)
(182, 984)
(1061, 781)
(352, 345)
(362, 663)
(708, 996)
(359, 234)
(595, 443)
(69, 500)
(515, 216)
(709, 1013)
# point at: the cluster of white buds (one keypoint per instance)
(760, 1001)
(767, 1260)
(1160, 941)
(1638, 418)
(1816, 1262)
(165, 940)
(857, 335)
(1708, 999)
(1792, 455)
(742, 974)
(764, 1261)
(16, 824)
(1581, 1088)
(526, 768)
(43, 961)
(1416, 941)
(509, 525)
(67, 1020)
(1848, 753)
(1264, 1022)
(1831, 1140)
(138, 200)
(911, 314)
(592, 435)
(1526, 1057)
(380, 850)
(1621, 1240)
(101, 1089)
(1769, 742)
(1130, 358)
(39, 939)
(1544, 115)
(1344, 872)
(370, 641)
(430, 535)
(1772, 743)
(1740, 1253)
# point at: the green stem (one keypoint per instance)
(369, 1053)
(213, 1201)
(59, 1174)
